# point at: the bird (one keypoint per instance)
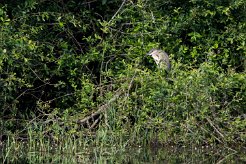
(161, 58)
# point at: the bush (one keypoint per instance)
(73, 63)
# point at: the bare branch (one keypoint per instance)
(124, 1)
(101, 109)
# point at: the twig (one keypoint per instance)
(101, 109)
(211, 124)
(95, 122)
(223, 159)
(38, 76)
(131, 82)
(124, 1)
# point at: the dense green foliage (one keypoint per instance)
(66, 60)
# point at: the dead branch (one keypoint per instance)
(101, 109)
(216, 129)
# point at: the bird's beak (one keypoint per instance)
(148, 54)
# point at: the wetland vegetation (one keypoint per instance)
(76, 84)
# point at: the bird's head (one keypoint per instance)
(155, 54)
(161, 58)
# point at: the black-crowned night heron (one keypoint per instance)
(161, 58)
